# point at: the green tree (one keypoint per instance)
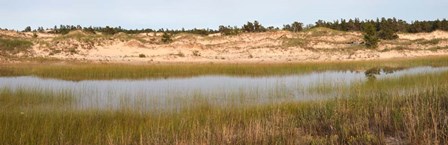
(294, 27)
(27, 29)
(258, 27)
(109, 31)
(387, 29)
(297, 27)
(228, 30)
(249, 27)
(41, 29)
(89, 30)
(387, 34)
(370, 35)
(166, 38)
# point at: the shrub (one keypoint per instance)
(196, 53)
(73, 51)
(370, 36)
(180, 54)
(142, 55)
(387, 34)
(166, 38)
(229, 30)
(14, 46)
(294, 27)
(27, 29)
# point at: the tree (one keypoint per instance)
(166, 38)
(387, 33)
(287, 27)
(387, 29)
(228, 30)
(297, 26)
(109, 31)
(294, 27)
(258, 27)
(41, 29)
(370, 36)
(27, 29)
(89, 30)
(249, 27)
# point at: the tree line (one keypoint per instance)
(226, 30)
(65, 29)
(385, 24)
(386, 27)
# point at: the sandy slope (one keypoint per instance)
(313, 45)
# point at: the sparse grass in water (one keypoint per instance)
(405, 110)
(378, 117)
(22, 98)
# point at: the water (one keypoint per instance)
(174, 93)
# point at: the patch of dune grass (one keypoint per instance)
(80, 36)
(428, 42)
(97, 38)
(14, 45)
(322, 31)
(294, 42)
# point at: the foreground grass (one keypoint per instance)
(374, 112)
(81, 71)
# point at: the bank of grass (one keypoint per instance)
(14, 46)
(29, 98)
(373, 113)
(93, 71)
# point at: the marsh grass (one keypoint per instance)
(88, 71)
(32, 97)
(410, 109)
(372, 113)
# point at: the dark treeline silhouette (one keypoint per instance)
(64, 29)
(385, 27)
(385, 24)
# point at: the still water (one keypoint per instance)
(221, 90)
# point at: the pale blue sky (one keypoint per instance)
(156, 14)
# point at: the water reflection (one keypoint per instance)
(220, 90)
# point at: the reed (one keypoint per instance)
(89, 71)
(373, 112)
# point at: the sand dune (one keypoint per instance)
(317, 44)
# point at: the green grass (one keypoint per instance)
(322, 31)
(21, 98)
(410, 109)
(427, 42)
(14, 45)
(372, 113)
(294, 42)
(88, 71)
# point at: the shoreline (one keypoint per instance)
(144, 62)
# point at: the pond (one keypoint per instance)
(175, 93)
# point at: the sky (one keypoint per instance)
(177, 14)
